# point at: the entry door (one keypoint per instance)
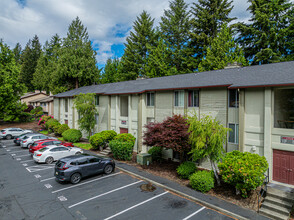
(283, 166)
(123, 130)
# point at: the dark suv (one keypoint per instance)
(74, 168)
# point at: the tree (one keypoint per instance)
(266, 38)
(17, 53)
(207, 137)
(76, 65)
(175, 27)
(110, 71)
(47, 64)
(10, 88)
(207, 19)
(136, 50)
(29, 60)
(172, 133)
(223, 50)
(84, 103)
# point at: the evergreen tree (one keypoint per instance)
(17, 53)
(223, 50)
(110, 71)
(47, 64)
(157, 62)
(76, 65)
(207, 19)
(266, 38)
(29, 60)
(136, 51)
(175, 29)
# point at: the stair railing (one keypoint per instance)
(263, 189)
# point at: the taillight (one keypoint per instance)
(39, 155)
(17, 139)
(64, 168)
(3, 132)
(24, 141)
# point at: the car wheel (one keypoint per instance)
(75, 178)
(8, 137)
(29, 146)
(78, 153)
(108, 169)
(49, 160)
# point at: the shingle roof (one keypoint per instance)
(44, 99)
(276, 74)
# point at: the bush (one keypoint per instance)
(44, 119)
(125, 138)
(186, 169)
(100, 139)
(245, 171)
(51, 124)
(121, 150)
(62, 128)
(72, 135)
(202, 181)
(156, 153)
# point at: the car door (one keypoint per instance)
(84, 166)
(63, 152)
(95, 165)
(18, 132)
(53, 152)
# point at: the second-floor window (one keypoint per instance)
(150, 98)
(234, 133)
(66, 105)
(193, 98)
(179, 98)
(233, 98)
(97, 100)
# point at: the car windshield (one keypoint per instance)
(26, 137)
(43, 149)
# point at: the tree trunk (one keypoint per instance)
(77, 83)
(215, 172)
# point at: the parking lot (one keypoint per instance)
(29, 191)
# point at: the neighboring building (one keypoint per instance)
(256, 102)
(46, 103)
(31, 96)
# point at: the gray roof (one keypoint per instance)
(44, 99)
(276, 74)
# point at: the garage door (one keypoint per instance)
(283, 166)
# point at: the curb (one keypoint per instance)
(231, 214)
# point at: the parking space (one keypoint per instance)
(114, 196)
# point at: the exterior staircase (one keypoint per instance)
(278, 202)
(105, 151)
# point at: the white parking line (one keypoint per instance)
(3, 146)
(24, 160)
(12, 147)
(103, 194)
(85, 182)
(199, 210)
(32, 170)
(47, 179)
(23, 155)
(18, 158)
(17, 151)
(141, 203)
(37, 176)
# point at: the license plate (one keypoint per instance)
(56, 173)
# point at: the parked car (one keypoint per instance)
(37, 145)
(18, 139)
(51, 153)
(27, 141)
(9, 133)
(74, 168)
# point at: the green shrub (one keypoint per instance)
(186, 169)
(72, 135)
(121, 150)
(243, 170)
(51, 124)
(62, 128)
(125, 137)
(202, 181)
(100, 139)
(156, 153)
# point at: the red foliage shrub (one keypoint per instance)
(171, 133)
(29, 108)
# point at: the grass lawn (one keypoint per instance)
(44, 132)
(83, 146)
(60, 138)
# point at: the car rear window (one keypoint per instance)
(60, 164)
(2, 130)
(43, 149)
(26, 137)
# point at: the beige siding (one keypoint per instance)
(103, 113)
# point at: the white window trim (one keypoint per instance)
(236, 100)
(235, 133)
(181, 98)
(150, 99)
(193, 106)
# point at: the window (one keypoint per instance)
(193, 98)
(54, 149)
(57, 142)
(233, 98)
(179, 98)
(82, 161)
(63, 149)
(124, 106)
(150, 98)
(284, 108)
(234, 133)
(66, 105)
(96, 99)
(97, 119)
(94, 160)
(43, 104)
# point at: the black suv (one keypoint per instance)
(74, 168)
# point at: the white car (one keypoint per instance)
(9, 133)
(51, 153)
(28, 140)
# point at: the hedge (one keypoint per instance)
(121, 150)
(100, 139)
(202, 181)
(62, 128)
(125, 137)
(186, 169)
(72, 135)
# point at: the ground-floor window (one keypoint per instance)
(234, 133)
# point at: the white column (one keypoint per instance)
(117, 114)
(268, 128)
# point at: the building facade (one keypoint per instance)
(256, 102)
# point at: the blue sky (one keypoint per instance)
(108, 21)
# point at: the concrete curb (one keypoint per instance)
(187, 196)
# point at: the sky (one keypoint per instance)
(108, 21)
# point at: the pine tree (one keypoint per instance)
(29, 60)
(266, 38)
(76, 65)
(17, 53)
(175, 29)
(222, 51)
(110, 71)
(207, 19)
(47, 64)
(136, 50)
